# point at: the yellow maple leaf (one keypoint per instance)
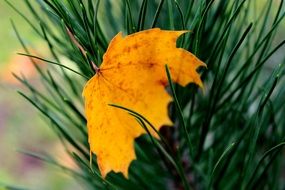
(133, 75)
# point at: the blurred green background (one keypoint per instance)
(21, 126)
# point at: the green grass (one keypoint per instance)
(230, 136)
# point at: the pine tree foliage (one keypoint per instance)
(231, 136)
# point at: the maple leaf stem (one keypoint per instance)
(71, 36)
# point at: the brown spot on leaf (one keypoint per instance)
(163, 82)
(136, 46)
(127, 49)
(119, 65)
(151, 65)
